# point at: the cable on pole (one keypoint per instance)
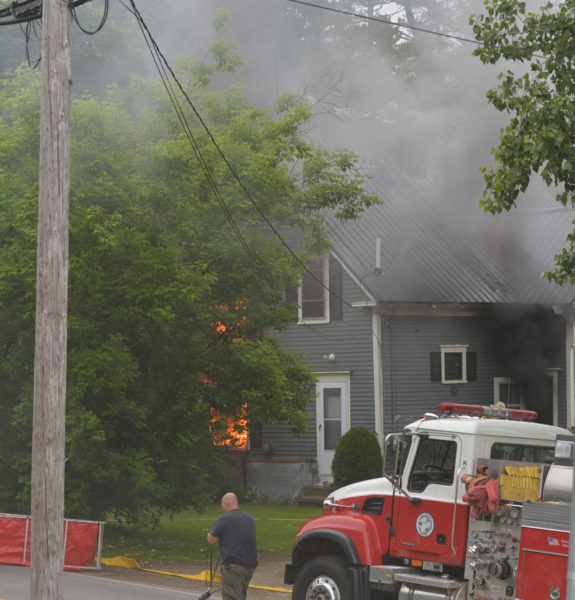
(28, 10)
(100, 25)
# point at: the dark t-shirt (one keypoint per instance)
(236, 531)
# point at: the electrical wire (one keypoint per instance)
(350, 13)
(27, 10)
(17, 21)
(28, 30)
(165, 71)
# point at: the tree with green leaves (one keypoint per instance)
(538, 140)
(177, 274)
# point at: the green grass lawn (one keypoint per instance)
(183, 537)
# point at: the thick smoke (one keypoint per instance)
(429, 111)
(529, 342)
(422, 106)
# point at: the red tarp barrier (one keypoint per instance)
(81, 543)
(14, 540)
(81, 539)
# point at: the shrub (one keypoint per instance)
(357, 457)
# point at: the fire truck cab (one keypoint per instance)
(408, 534)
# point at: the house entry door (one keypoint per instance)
(332, 421)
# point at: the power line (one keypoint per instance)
(163, 67)
(350, 13)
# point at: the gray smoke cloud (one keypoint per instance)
(420, 116)
(438, 119)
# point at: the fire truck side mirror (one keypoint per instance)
(395, 452)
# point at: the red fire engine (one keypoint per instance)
(473, 505)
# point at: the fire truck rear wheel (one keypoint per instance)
(323, 578)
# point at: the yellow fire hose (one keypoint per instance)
(130, 563)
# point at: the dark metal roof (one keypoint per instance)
(438, 244)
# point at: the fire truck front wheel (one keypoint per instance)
(323, 578)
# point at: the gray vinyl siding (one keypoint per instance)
(350, 339)
(407, 387)
(407, 345)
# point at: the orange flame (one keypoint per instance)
(232, 329)
(230, 431)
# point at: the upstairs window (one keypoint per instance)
(320, 295)
(314, 292)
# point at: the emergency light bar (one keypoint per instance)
(498, 412)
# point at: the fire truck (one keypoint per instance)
(473, 504)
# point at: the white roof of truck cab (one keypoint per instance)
(475, 436)
(499, 428)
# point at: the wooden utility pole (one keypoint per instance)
(48, 438)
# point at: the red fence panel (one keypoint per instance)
(14, 540)
(82, 541)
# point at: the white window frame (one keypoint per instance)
(453, 349)
(325, 283)
(497, 383)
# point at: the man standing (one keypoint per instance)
(236, 532)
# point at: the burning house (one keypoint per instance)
(427, 299)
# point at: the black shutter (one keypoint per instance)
(335, 290)
(472, 366)
(435, 364)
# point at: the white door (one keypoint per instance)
(332, 421)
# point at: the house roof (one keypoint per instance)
(438, 244)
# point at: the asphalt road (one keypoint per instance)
(15, 585)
